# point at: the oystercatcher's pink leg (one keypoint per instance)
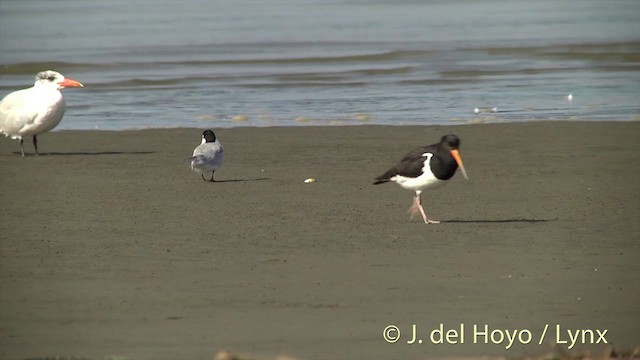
(416, 207)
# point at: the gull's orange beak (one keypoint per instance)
(69, 83)
(456, 155)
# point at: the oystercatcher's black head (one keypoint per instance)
(208, 136)
(451, 144)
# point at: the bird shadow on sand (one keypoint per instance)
(87, 153)
(496, 221)
(239, 180)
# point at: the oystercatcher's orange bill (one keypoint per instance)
(456, 155)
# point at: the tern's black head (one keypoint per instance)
(54, 80)
(450, 142)
(208, 136)
(50, 76)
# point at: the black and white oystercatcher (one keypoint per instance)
(208, 156)
(36, 110)
(427, 167)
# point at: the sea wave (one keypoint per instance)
(616, 56)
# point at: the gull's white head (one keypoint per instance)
(54, 79)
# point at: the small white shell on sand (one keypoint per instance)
(309, 180)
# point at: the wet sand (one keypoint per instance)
(112, 246)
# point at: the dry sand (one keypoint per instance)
(112, 246)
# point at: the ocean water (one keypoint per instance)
(208, 64)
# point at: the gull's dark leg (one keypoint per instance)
(211, 180)
(35, 144)
(203, 177)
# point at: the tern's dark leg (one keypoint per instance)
(211, 180)
(35, 144)
(22, 146)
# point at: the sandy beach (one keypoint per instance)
(111, 246)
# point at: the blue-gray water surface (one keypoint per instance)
(160, 63)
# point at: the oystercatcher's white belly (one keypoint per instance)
(422, 182)
(425, 181)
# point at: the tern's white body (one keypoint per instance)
(31, 111)
(36, 110)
